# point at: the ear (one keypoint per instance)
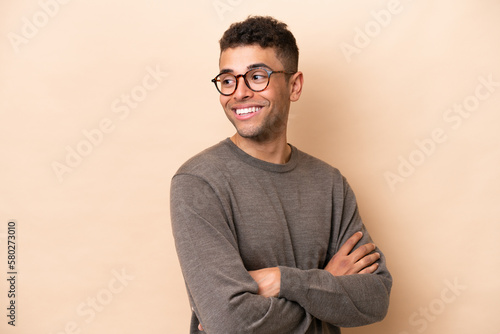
(296, 83)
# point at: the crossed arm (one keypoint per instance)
(361, 261)
(224, 295)
(344, 262)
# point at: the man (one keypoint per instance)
(269, 238)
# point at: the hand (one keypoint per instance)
(358, 262)
(269, 281)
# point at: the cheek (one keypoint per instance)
(223, 100)
(278, 94)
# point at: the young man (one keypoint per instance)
(269, 238)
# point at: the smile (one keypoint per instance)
(245, 111)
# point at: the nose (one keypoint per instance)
(242, 91)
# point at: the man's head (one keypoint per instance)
(258, 77)
(266, 32)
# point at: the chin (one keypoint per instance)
(257, 135)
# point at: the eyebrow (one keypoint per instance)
(258, 65)
(249, 67)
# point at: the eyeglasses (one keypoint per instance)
(256, 79)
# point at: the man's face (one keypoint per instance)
(261, 115)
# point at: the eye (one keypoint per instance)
(226, 80)
(258, 76)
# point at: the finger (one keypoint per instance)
(369, 270)
(362, 251)
(259, 275)
(350, 243)
(254, 274)
(364, 263)
(200, 327)
(368, 260)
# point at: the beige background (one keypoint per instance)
(95, 251)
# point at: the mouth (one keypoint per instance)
(246, 111)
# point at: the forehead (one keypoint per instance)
(240, 58)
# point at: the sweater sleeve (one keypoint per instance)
(343, 301)
(222, 293)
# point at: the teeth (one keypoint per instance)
(247, 110)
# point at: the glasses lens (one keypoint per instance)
(257, 79)
(226, 83)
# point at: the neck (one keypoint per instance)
(276, 151)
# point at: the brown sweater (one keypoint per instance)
(232, 213)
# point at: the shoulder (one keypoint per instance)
(317, 166)
(207, 162)
(325, 174)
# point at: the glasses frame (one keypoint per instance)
(269, 72)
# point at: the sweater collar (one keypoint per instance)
(261, 164)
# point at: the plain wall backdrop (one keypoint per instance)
(102, 101)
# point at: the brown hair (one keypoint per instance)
(267, 32)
